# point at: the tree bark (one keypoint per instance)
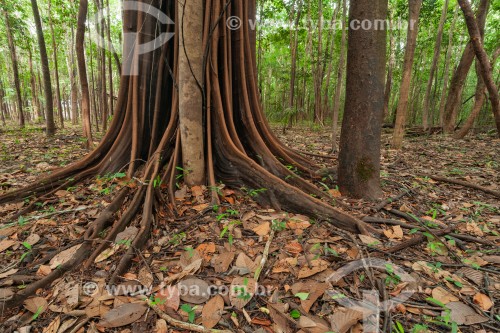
(435, 60)
(82, 72)
(404, 90)
(47, 85)
(340, 80)
(485, 66)
(56, 69)
(190, 94)
(454, 99)
(359, 158)
(449, 52)
(15, 67)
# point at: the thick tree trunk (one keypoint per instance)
(359, 158)
(435, 60)
(404, 90)
(47, 85)
(15, 68)
(485, 67)
(340, 80)
(190, 94)
(454, 99)
(82, 72)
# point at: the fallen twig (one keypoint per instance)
(466, 184)
(183, 325)
(416, 240)
(391, 200)
(264, 256)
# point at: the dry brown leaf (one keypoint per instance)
(188, 270)
(317, 265)
(244, 261)
(36, 305)
(123, 315)
(43, 270)
(222, 261)
(396, 232)
(64, 256)
(463, 314)
(194, 290)
(32, 239)
(161, 326)
(368, 240)
(6, 293)
(188, 257)
(206, 250)
(169, 297)
(443, 295)
(492, 259)
(8, 273)
(293, 248)
(197, 191)
(343, 319)
(242, 291)
(145, 277)
(314, 289)
(53, 326)
(6, 243)
(483, 301)
(262, 229)
(212, 311)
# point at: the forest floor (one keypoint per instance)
(311, 269)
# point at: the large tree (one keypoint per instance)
(146, 139)
(359, 158)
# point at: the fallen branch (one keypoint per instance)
(264, 256)
(391, 200)
(183, 325)
(416, 240)
(378, 220)
(466, 184)
(404, 225)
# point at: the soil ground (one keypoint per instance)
(451, 281)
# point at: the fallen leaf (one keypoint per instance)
(194, 290)
(161, 326)
(244, 261)
(312, 289)
(6, 243)
(206, 250)
(107, 253)
(36, 305)
(317, 265)
(145, 277)
(212, 311)
(242, 291)
(262, 229)
(222, 261)
(43, 270)
(8, 273)
(188, 270)
(53, 326)
(32, 239)
(123, 315)
(64, 256)
(368, 240)
(169, 297)
(443, 295)
(343, 319)
(483, 301)
(463, 314)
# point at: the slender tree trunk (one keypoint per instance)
(72, 76)
(449, 52)
(34, 100)
(294, 41)
(56, 68)
(110, 62)
(485, 67)
(47, 85)
(435, 60)
(359, 158)
(388, 81)
(404, 90)
(318, 72)
(82, 71)
(454, 99)
(340, 80)
(190, 98)
(15, 68)
(2, 103)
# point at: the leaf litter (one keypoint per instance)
(201, 268)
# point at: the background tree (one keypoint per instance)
(404, 90)
(49, 114)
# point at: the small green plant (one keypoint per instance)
(278, 225)
(392, 278)
(25, 254)
(157, 181)
(242, 292)
(190, 312)
(38, 312)
(295, 314)
(228, 229)
(177, 238)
